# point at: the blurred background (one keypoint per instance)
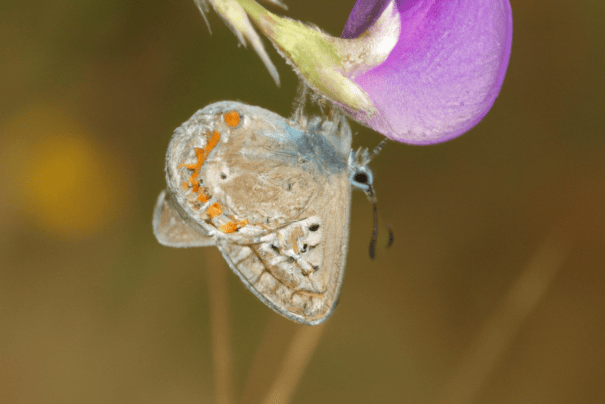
(494, 291)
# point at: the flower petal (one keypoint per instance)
(445, 72)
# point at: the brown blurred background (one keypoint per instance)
(494, 291)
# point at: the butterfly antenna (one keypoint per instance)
(372, 197)
(378, 148)
(374, 231)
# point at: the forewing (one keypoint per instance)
(172, 230)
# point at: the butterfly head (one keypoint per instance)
(360, 174)
(361, 177)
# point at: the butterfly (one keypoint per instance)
(272, 194)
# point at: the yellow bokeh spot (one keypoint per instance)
(57, 175)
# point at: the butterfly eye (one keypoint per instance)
(362, 178)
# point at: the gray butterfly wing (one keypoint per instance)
(298, 270)
(296, 182)
(274, 197)
(172, 229)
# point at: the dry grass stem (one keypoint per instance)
(219, 318)
(294, 364)
(499, 331)
(267, 359)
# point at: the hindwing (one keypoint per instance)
(173, 229)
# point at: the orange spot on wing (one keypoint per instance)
(201, 157)
(202, 197)
(214, 210)
(201, 154)
(216, 136)
(228, 228)
(232, 118)
(188, 166)
(185, 185)
(232, 226)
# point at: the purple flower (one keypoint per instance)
(417, 71)
(443, 74)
